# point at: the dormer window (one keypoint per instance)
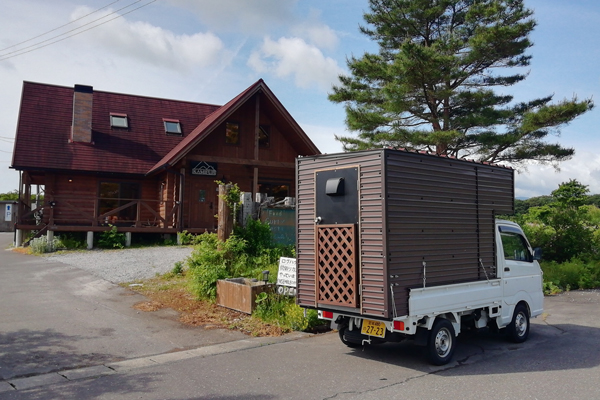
(118, 120)
(172, 126)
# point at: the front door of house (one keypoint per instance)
(203, 206)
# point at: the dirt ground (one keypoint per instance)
(165, 292)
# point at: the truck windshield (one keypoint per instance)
(515, 247)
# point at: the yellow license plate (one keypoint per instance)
(373, 328)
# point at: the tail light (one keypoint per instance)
(398, 325)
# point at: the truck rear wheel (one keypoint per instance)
(341, 331)
(441, 343)
(518, 329)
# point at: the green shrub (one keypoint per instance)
(573, 274)
(177, 268)
(71, 241)
(282, 310)
(246, 253)
(111, 239)
(212, 260)
(257, 235)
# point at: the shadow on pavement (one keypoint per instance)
(118, 386)
(549, 348)
(26, 353)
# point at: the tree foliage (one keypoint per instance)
(430, 86)
(565, 227)
(12, 195)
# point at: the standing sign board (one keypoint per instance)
(286, 277)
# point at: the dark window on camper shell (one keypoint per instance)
(113, 195)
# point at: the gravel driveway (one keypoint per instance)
(125, 265)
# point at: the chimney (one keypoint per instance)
(82, 114)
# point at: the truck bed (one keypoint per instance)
(458, 297)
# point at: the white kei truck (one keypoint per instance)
(395, 245)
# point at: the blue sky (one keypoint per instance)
(210, 50)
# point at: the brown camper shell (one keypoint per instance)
(373, 224)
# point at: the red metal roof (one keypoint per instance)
(302, 143)
(44, 129)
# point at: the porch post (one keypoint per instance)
(225, 225)
(181, 193)
(256, 145)
(127, 239)
(19, 238)
(90, 240)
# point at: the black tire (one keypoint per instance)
(441, 343)
(341, 332)
(518, 329)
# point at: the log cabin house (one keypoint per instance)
(146, 164)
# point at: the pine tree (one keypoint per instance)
(431, 86)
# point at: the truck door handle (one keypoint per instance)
(506, 269)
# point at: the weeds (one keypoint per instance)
(43, 245)
(111, 239)
(246, 254)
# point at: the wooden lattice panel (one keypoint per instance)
(336, 264)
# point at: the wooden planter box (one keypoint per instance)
(240, 293)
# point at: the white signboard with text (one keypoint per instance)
(286, 276)
(8, 215)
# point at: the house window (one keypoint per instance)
(113, 195)
(232, 133)
(172, 126)
(118, 120)
(278, 191)
(264, 135)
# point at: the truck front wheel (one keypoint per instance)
(441, 343)
(518, 329)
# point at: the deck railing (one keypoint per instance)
(85, 211)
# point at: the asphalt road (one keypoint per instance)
(561, 360)
(54, 316)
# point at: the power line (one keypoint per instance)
(62, 26)
(21, 52)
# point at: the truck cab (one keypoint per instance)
(520, 272)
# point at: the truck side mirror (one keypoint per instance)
(537, 253)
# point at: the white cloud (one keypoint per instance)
(293, 57)
(324, 137)
(320, 35)
(543, 179)
(248, 16)
(154, 45)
